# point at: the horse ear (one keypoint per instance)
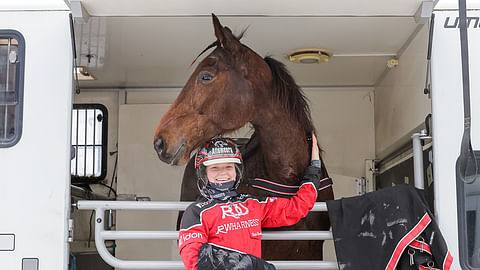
(224, 35)
(218, 30)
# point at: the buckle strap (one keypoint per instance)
(420, 245)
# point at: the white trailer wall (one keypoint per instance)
(348, 140)
(81, 218)
(35, 173)
(401, 107)
(400, 104)
(142, 173)
(448, 119)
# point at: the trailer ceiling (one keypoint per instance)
(151, 43)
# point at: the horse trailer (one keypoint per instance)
(391, 89)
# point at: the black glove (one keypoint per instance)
(314, 174)
(213, 257)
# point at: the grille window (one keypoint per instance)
(11, 86)
(89, 143)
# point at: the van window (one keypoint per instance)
(12, 52)
(89, 143)
(469, 222)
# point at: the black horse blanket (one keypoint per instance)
(387, 229)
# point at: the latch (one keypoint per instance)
(70, 231)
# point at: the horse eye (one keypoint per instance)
(205, 77)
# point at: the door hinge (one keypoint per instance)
(362, 185)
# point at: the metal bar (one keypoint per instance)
(90, 145)
(85, 147)
(132, 205)
(173, 235)
(72, 149)
(297, 235)
(399, 158)
(418, 160)
(93, 142)
(76, 148)
(173, 265)
(305, 264)
(8, 64)
(145, 205)
(101, 235)
(6, 89)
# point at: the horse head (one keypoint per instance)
(231, 87)
(220, 96)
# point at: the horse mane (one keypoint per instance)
(289, 94)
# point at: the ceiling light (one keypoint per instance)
(392, 63)
(83, 74)
(309, 56)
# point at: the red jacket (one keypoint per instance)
(236, 224)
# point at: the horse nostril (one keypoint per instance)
(160, 144)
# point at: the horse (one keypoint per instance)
(229, 88)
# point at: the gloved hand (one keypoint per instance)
(215, 258)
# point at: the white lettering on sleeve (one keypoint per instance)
(185, 237)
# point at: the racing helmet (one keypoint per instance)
(217, 150)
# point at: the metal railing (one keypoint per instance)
(418, 169)
(101, 235)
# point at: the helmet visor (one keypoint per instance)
(222, 160)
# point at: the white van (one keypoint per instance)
(378, 103)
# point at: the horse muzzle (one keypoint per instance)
(173, 156)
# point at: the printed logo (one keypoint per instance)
(186, 237)
(255, 234)
(220, 144)
(202, 204)
(234, 210)
(239, 225)
(221, 148)
(472, 22)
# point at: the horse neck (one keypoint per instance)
(284, 145)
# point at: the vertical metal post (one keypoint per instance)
(94, 144)
(6, 89)
(99, 242)
(418, 159)
(76, 144)
(85, 145)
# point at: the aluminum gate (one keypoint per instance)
(101, 235)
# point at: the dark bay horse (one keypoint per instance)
(231, 87)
